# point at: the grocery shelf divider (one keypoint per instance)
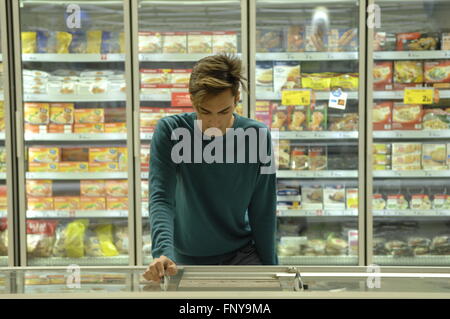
(307, 56)
(412, 174)
(72, 57)
(317, 174)
(292, 135)
(146, 136)
(78, 214)
(83, 261)
(77, 176)
(172, 57)
(428, 260)
(267, 95)
(412, 212)
(412, 134)
(318, 260)
(76, 137)
(316, 212)
(101, 97)
(411, 55)
(398, 95)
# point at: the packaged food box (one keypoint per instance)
(434, 157)
(408, 72)
(145, 191)
(348, 81)
(417, 41)
(174, 42)
(406, 156)
(156, 76)
(39, 188)
(298, 118)
(2, 155)
(280, 115)
(122, 158)
(343, 122)
(384, 41)
(156, 88)
(353, 242)
(78, 44)
(286, 75)
(29, 42)
(317, 158)
(382, 159)
(92, 188)
(263, 112)
(150, 42)
(74, 167)
(334, 197)
(441, 201)
(352, 198)
(199, 42)
(382, 116)
(104, 167)
(317, 117)
(378, 202)
(224, 42)
(317, 81)
(437, 71)
(312, 197)
(55, 128)
(36, 113)
(282, 154)
(61, 113)
(89, 86)
(89, 128)
(445, 42)
(115, 115)
(66, 203)
(39, 203)
(43, 167)
(116, 188)
(269, 40)
(420, 201)
(299, 158)
(180, 76)
(115, 127)
(94, 41)
(117, 203)
(396, 201)
(92, 203)
(295, 38)
(264, 76)
(103, 154)
(75, 154)
(43, 154)
(343, 40)
(89, 116)
(113, 42)
(436, 119)
(382, 75)
(407, 117)
(316, 40)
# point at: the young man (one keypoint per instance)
(211, 209)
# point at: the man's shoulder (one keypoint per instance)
(176, 120)
(245, 122)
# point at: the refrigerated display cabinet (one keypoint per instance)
(408, 134)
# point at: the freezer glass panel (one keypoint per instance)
(75, 132)
(307, 80)
(172, 37)
(411, 136)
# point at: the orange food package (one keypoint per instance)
(40, 203)
(43, 167)
(39, 188)
(122, 158)
(60, 128)
(117, 203)
(66, 202)
(103, 154)
(407, 117)
(74, 167)
(43, 154)
(36, 113)
(89, 116)
(382, 75)
(116, 188)
(89, 128)
(92, 188)
(116, 128)
(92, 203)
(104, 167)
(61, 113)
(382, 116)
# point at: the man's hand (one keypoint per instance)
(159, 267)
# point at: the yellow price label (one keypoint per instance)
(418, 96)
(296, 97)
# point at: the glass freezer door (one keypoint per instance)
(307, 73)
(409, 103)
(75, 173)
(172, 36)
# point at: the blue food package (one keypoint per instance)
(110, 42)
(42, 41)
(288, 192)
(79, 42)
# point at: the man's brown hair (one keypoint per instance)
(214, 74)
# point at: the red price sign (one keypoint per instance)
(180, 99)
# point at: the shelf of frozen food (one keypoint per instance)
(77, 176)
(146, 136)
(412, 134)
(412, 212)
(77, 214)
(292, 135)
(427, 260)
(398, 95)
(318, 260)
(423, 173)
(82, 261)
(76, 137)
(71, 57)
(410, 55)
(262, 95)
(104, 97)
(2, 176)
(172, 57)
(307, 56)
(316, 174)
(84, 288)
(316, 213)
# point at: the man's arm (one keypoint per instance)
(262, 212)
(162, 192)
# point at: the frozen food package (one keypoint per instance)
(378, 202)
(312, 197)
(92, 203)
(407, 117)
(180, 76)
(408, 72)
(29, 42)
(95, 115)
(283, 156)
(286, 75)
(117, 203)
(2, 155)
(73, 167)
(317, 117)
(90, 128)
(396, 201)
(417, 41)
(43, 167)
(316, 40)
(61, 113)
(75, 154)
(317, 156)
(145, 190)
(269, 40)
(36, 113)
(103, 154)
(348, 81)
(434, 156)
(95, 188)
(382, 75)
(87, 86)
(299, 158)
(66, 202)
(39, 188)
(336, 246)
(39, 203)
(63, 40)
(224, 42)
(298, 118)
(406, 156)
(104, 167)
(105, 236)
(110, 42)
(384, 41)
(445, 41)
(317, 81)
(116, 188)
(351, 198)
(295, 40)
(437, 71)
(334, 197)
(264, 76)
(263, 112)
(420, 201)
(92, 246)
(174, 42)
(440, 201)
(155, 76)
(115, 127)
(4, 242)
(343, 122)
(94, 41)
(74, 238)
(382, 116)
(44, 154)
(122, 158)
(280, 114)
(79, 42)
(199, 42)
(150, 42)
(40, 237)
(348, 40)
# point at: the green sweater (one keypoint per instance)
(206, 210)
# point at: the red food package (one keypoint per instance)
(262, 112)
(437, 72)
(407, 117)
(298, 118)
(40, 237)
(403, 39)
(279, 117)
(382, 116)
(382, 75)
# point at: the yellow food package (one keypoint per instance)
(104, 167)
(74, 167)
(116, 188)
(116, 128)
(316, 81)
(122, 42)
(122, 158)
(105, 235)
(94, 42)
(61, 113)
(43, 167)
(36, 113)
(345, 81)
(40, 203)
(74, 238)
(66, 202)
(92, 203)
(89, 128)
(117, 203)
(43, 154)
(92, 188)
(29, 42)
(89, 115)
(39, 188)
(63, 41)
(103, 154)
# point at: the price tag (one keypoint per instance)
(104, 57)
(338, 99)
(296, 97)
(418, 96)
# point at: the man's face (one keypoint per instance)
(216, 111)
